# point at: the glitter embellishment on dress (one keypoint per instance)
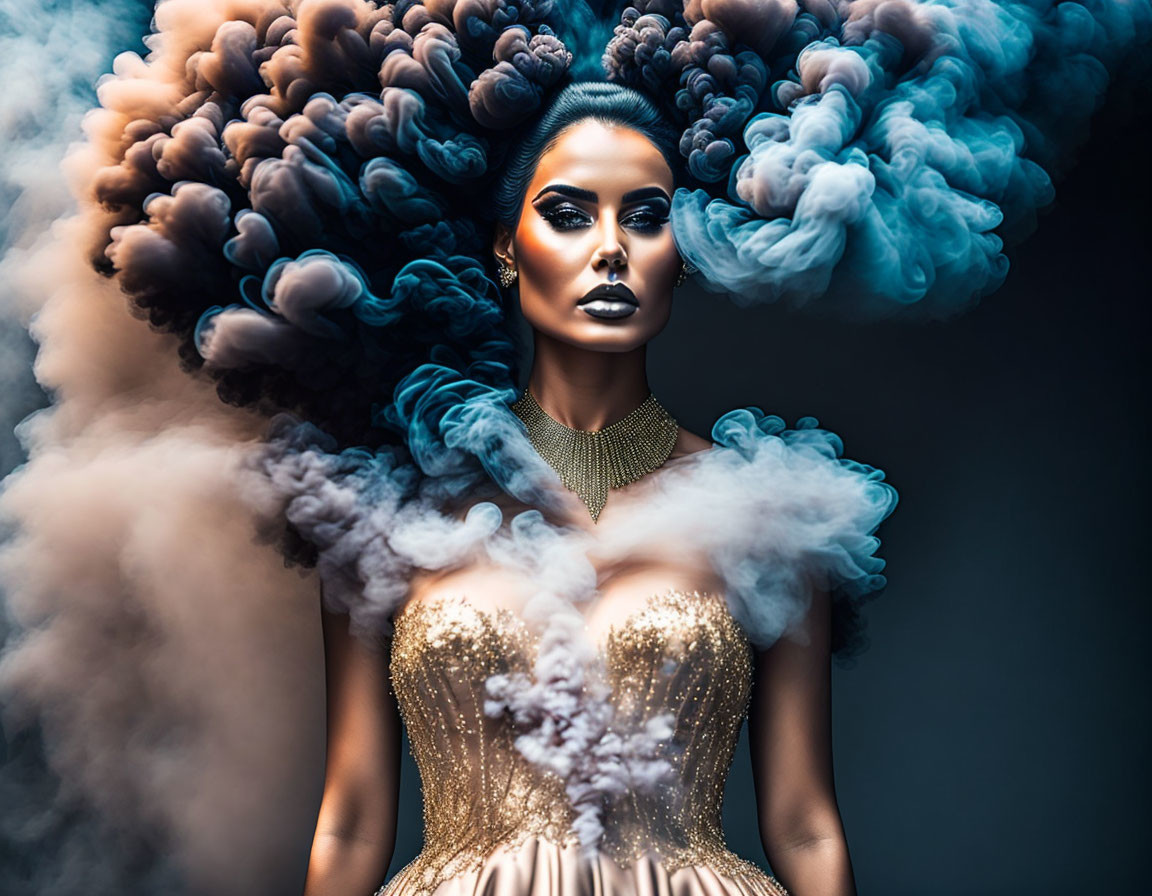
(590, 462)
(496, 823)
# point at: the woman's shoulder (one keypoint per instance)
(688, 443)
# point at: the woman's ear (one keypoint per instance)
(502, 245)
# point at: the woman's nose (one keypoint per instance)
(611, 253)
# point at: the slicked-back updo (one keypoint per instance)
(612, 104)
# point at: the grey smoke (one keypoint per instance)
(160, 673)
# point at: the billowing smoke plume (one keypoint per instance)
(169, 662)
(50, 55)
(160, 674)
(874, 153)
(292, 194)
(299, 190)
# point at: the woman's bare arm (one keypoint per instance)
(790, 734)
(356, 829)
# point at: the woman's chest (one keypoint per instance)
(571, 610)
(607, 595)
(644, 634)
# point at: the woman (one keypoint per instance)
(585, 228)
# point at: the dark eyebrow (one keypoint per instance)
(573, 192)
(589, 196)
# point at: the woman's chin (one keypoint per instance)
(609, 336)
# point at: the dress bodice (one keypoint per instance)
(488, 811)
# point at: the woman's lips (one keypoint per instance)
(609, 301)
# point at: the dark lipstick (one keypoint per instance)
(609, 301)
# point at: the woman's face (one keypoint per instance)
(593, 247)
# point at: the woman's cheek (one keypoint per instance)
(544, 255)
(663, 262)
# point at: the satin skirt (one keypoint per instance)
(538, 867)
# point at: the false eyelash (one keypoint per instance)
(654, 222)
(565, 218)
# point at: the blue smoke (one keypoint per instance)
(898, 144)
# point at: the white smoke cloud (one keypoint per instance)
(50, 55)
(172, 664)
(168, 667)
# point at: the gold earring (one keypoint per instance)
(685, 270)
(507, 275)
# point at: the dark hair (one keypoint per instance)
(600, 100)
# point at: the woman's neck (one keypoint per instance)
(586, 389)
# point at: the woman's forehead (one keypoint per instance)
(602, 157)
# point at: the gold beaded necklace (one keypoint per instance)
(590, 462)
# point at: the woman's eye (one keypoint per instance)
(646, 221)
(566, 218)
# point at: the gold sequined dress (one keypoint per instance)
(498, 825)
